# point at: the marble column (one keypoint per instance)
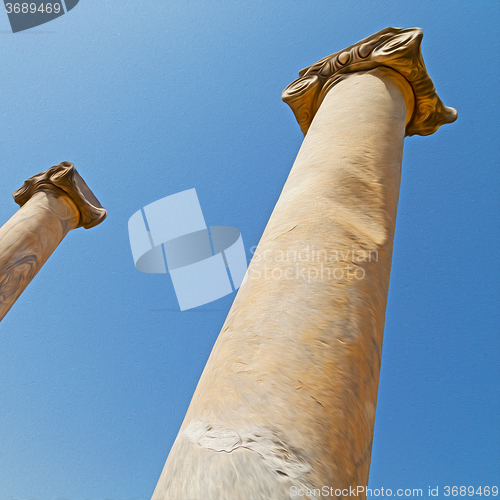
(285, 407)
(52, 203)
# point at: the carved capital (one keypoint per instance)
(66, 178)
(395, 48)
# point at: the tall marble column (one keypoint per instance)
(285, 407)
(52, 203)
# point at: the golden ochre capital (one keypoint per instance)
(395, 48)
(66, 178)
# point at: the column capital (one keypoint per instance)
(395, 48)
(66, 178)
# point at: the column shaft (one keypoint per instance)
(288, 397)
(28, 239)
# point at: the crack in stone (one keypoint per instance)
(275, 453)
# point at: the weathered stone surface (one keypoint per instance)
(288, 397)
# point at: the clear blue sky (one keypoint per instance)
(97, 367)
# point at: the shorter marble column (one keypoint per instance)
(52, 203)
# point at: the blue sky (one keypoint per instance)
(147, 99)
